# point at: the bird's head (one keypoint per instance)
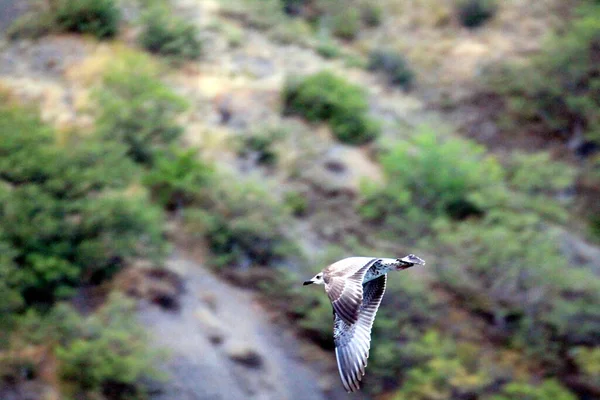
(409, 261)
(318, 279)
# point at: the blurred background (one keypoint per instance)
(172, 170)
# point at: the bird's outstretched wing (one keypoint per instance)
(343, 284)
(353, 341)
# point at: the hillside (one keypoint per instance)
(159, 148)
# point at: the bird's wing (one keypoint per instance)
(353, 341)
(343, 284)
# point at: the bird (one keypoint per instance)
(355, 287)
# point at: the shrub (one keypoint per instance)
(345, 24)
(177, 178)
(137, 109)
(538, 174)
(328, 49)
(548, 389)
(243, 223)
(98, 17)
(105, 352)
(558, 92)
(64, 213)
(393, 65)
(170, 35)
(408, 311)
(326, 97)
(587, 360)
(474, 13)
(260, 145)
(442, 372)
(506, 282)
(297, 202)
(428, 177)
(371, 14)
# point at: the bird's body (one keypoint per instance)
(355, 286)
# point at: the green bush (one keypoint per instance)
(243, 223)
(260, 145)
(65, 215)
(408, 311)
(548, 389)
(371, 14)
(170, 35)
(587, 360)
(429, 177)
(474, 13)
(97, 17)
(328, 49)
(443, 371)
(326, 97)
(297, 202)
(504, 282)
(137, 109)
(558, 92)
(345, 24)
(106, 353)
(394, 65)
(177, 178)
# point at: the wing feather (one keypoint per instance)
(343, 284)
(353, 341)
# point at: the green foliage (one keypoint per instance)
(522, 285)
(587, 360)
(371, 14)
(559, 91)
(538, 173)
(297, 202)
(548, 389)
(260, 145)
(444, 371)
(346, 23)
(137, 109)
(65, 215)
(429, 177)
(105, 352)
(169, 35)
(474, 13)
(394, 65)
(243, 223)
(328, 48)
(177, 178)
(326, 97)
(97, 17)
(408, 310)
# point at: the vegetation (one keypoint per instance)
(104, 355)
(558, 92)
(178, 178)
(97, 17)
(66, 216)
(137, 109)
(430, 177)
(169, 35)
(243, 224)
(100, 18)
(394, 66)
(326, 97)
(474, 13)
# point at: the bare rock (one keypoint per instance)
(211, 325)
(341, 170)
(243, 353)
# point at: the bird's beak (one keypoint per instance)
(307, 283)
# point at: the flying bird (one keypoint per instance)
(355, 286)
